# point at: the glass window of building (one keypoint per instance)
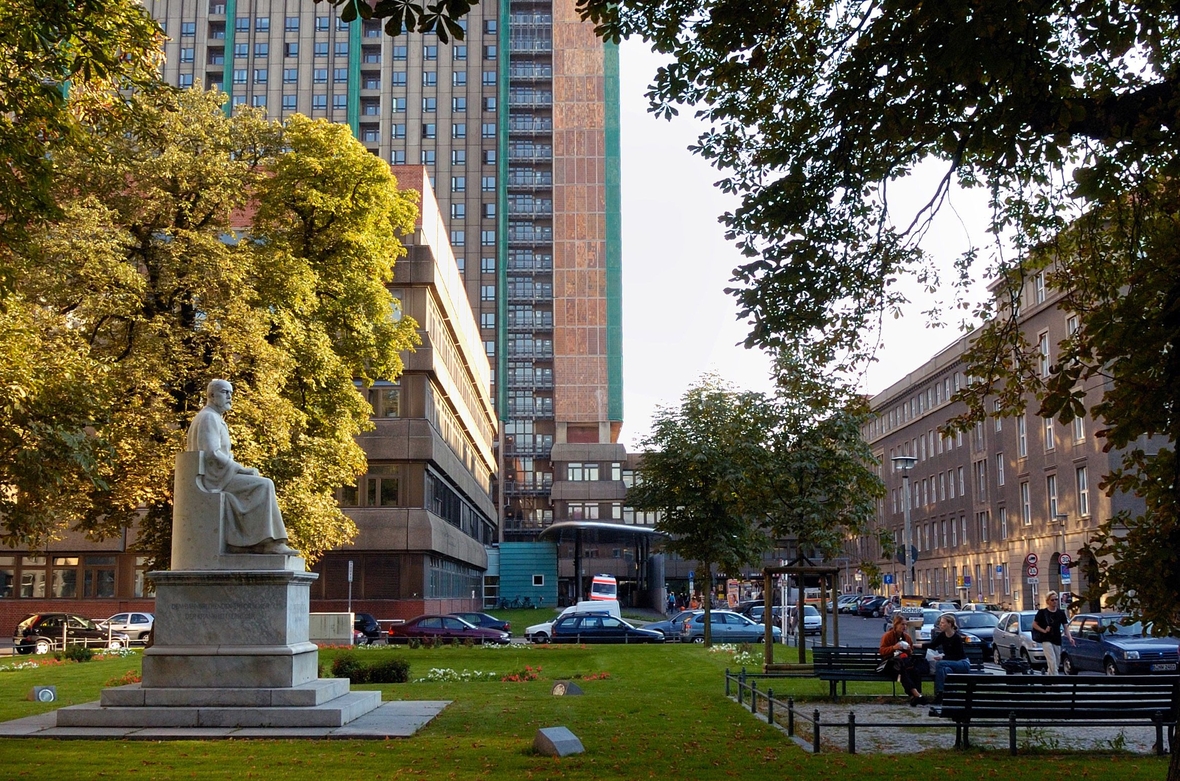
(459, 78)
(319, 76)
(291, 49)
(429, 78)
(398, 78)
(459, 157)
(429, 130)
(399, 130)
(340, 75)
(260, 76)
(458, 104)
(489, 104)
(290, 75)
(487, 265)
(399, 52)
(489, 78)
(398, 105)
(289, 103)
(458, 184)
(241, 50)
(340, 102)
(242, 24)
(321, 24)
(262, 24)
(319, 102)
(459, 53)
(341, 48)
(429, 105)
(430, 52)
(320, 48)
(458, 130)
(458, 238)
(291, 24)
(185, 80)
(397, 157)
(261, 49)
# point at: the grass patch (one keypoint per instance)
(660, 713)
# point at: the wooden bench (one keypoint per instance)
(843, 664)
(1043, 700)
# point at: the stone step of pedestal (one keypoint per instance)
(309, 694)
(333, 713)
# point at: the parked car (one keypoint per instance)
(1013, 638)
(445, 628)
(725, 627)
(813, 620)
(945, 606)
(366, 630)
(598, 628)
(45, 632)
(1113, 644)
(985, 606)
(540, 633)
(979, 624)
(929, 620)
(873, 607)
(847, 603)
(137, 626)
(486, 621)
(670, 628)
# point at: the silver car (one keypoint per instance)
(137, 626)
(1013, 638)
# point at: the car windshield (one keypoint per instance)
(977, 620)
(809, 610)
(1123, 630)
(930, 616)
(1026, 622)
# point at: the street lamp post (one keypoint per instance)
(905, 464)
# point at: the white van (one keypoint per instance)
(542, 633)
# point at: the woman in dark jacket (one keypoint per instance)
(949, 643)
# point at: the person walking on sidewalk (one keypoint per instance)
(1048, 625)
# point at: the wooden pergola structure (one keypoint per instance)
(801, 569)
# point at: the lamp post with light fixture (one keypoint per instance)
(905, 464)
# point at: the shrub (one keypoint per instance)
(76, 653)
(391, 670)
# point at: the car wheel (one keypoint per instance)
(996, 655)
(699, 640)
(115, 645)
(876, 614)
(540, 638)
(143, 636)
(43, 647)
(1109, 666)
(1067, 665)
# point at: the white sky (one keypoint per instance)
(678, 323)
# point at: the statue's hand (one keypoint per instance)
(249, 471)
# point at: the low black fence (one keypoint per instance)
(785, 715)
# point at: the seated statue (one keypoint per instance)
(251, 520)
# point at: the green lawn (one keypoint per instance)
(660, 713)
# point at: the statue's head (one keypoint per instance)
(219, 394)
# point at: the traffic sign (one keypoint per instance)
(1031, 559)
(1032, 571)
(999, 569)
(1066, 559)
(966, 581)
(888, 579)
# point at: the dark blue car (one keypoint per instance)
(1116, 645)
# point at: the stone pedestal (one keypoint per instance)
(230, 629)
(230, 645)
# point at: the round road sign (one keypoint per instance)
(1066, 559)
(1031, 559)
(1032, 571)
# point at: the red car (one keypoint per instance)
(449, 629)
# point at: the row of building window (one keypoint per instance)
(372, 29)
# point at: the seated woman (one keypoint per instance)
(949, 643)
(897, 646)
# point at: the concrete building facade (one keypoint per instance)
(983, 501)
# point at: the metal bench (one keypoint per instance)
(1041, 701)
(843, 664)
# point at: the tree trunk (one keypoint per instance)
(707, 591)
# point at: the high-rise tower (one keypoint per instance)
(518, 125)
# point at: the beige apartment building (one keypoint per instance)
(984, 501)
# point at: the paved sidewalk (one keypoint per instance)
(397, 719)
